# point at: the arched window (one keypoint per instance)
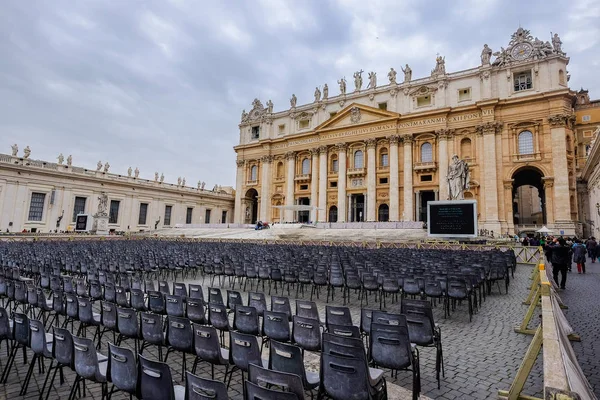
(465, 148)
(358, 159)
(384, 160)
(426, 152)
(334, 164)
(384, 213)
(253, 173)
(280, 169)
(305, 166)
(525, 142)
(333, 214)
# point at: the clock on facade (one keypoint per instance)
(521, 51)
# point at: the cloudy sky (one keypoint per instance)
(160, 84)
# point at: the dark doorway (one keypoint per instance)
(357, 208)
(529, 198)
(428, 195)
(304, 215)
(251, 211)
(333, 214)
(384, 213)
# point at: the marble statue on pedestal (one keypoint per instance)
(183, 182)
(106, 167)
(137, 172)
(270, 106)
(458, 178)
(325, 92)
(69, 160)
(156, 177)
(162, 178)
(61, 159)
(99, 166)
(15, 149)
(342, 83)
(407, 73)
(556, 43)
(26, 152)
(392, 76)
(199, 185)
(178, 181)
(203, 184)
(293, 101)
(102, 205)
(129, 172)
(317, 95)
(358, 80)
(372, 80)
(486, 55)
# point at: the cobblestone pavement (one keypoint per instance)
(480, 357)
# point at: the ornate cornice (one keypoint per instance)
(341, 147)
(548, 182)
(240, 163)
(290, 155)
(394, 139)
(444, 133)
(371, 143)
(489, 128)
(566, 120)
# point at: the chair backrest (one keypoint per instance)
(155, 381)
(256, 392)
(163, 287)
(420, 325)
(137, 299)
(287, 358)
(175, 305)
(4, 324)
(281, 304)
(121, 296)
(276, 326)
(196, 292)
(152, 328)
(72, 305)
(344, 377)
(206, 343)
(307, 309)
(414, 303)
(108, 315)
(338, 315)
(350, 331)
(258, 301)
(179, 289)
(306, 333)
(85, 313)
(110, 292)
(62, 346)
(234, 298)
(217, 316)
(343, 340)
(85, 358)
(156, 302)
(32, 298)
(21, 329)
(215, 295)
(195, 310)
(96, 290)
(198, 388)
(290, 383)
(127, 322)
(122, 368)
(382, 317)
(366, 316)
(389, 346)
(244, 350)
(245, 320)
(180, 335)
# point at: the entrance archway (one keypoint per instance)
(384, 213)
(251, 206)
(333, 217)
(528, 197)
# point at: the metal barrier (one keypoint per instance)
(563, 377)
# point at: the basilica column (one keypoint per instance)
(490, 177)
(558, 131)
(314, 183)
(443, 136)
(394, 185)
(408, 213)
(239, 183)
(371, 180)
(508, 206)
(341, 181)
(549, 204)
(322, 214)
(289, 192)
(265, 187)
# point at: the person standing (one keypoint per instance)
(591, 245)
(579, 252)
(560, 260)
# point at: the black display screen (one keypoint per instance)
(452, 219)
(81, 223)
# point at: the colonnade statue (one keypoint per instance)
(458, 178)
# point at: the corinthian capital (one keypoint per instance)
(240, 163)
(489, 128)
(290, 155)
(314, 151)
(566, 120)
(341, 147)
(394, 139)
(323, 149)
(267, 159)
(407, 139)
(371, 143)
(444, 133)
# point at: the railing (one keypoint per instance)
(431, 165)
(356, 171)
(302, 177)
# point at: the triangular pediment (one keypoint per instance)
(356, 115)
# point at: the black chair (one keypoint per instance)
(152, 332)
(45, 306)
(390, 347)
(71, 310)
(110, 292)
(350, 331)
(281, 304)
(276, 326)
(196, 292)
(128, 326)
(319, 280)
(208, 349)
(345, 377)
(121, 370)
(163, 287)
(156, 302)
(195, 310)
(179, 289)
(233, 299)
(198, 388)
(108, 318)
(245, 320)
(306, 333)
(256, 392)
(121, 297)
(243, 351)
(5, 330)
(389, 287)
(288, 358)
(215, 295)
(290, 384)
(62, 354)
(175, 305)
(180, 337)
(96, 292)
(258, 301)
(138, 299)
(155, 381)
(20, 335)
(89, 365)
(366, 315)
(217, 317)
(38, 342)
(308, 309)
(337, 316)
(87, 317)
(458, 290)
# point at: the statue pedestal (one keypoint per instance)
(100, 225)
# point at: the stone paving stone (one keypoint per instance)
(480, 357)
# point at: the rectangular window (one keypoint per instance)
(79, 207)
(464, 94)
(383, 181)
(207, 216)
(255, 132)
(333, 184)
(586, 118)
(423, 101)
(382, 106)
(168, 210)
(385, 160)
(303, 187)
(36, 206)
(303, 124)
(523, 81)
(281, 129)
(335, 166)
(113, 215)
(224, 217)
(426, 178)
(587, 133)
(188, 215)
(143, 214)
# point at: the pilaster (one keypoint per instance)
(314, 182)
(394, 185)
(265, 187)
(290, 156)
(371, 180)
(409, 212)
(341, 148)
(239, 183)
(322, 214)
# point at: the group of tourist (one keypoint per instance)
(562, 253)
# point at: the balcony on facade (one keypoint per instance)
(356, 172)
(302, 178)
(383, 169)
(252, 183)
(430, 166)
(537, 156)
